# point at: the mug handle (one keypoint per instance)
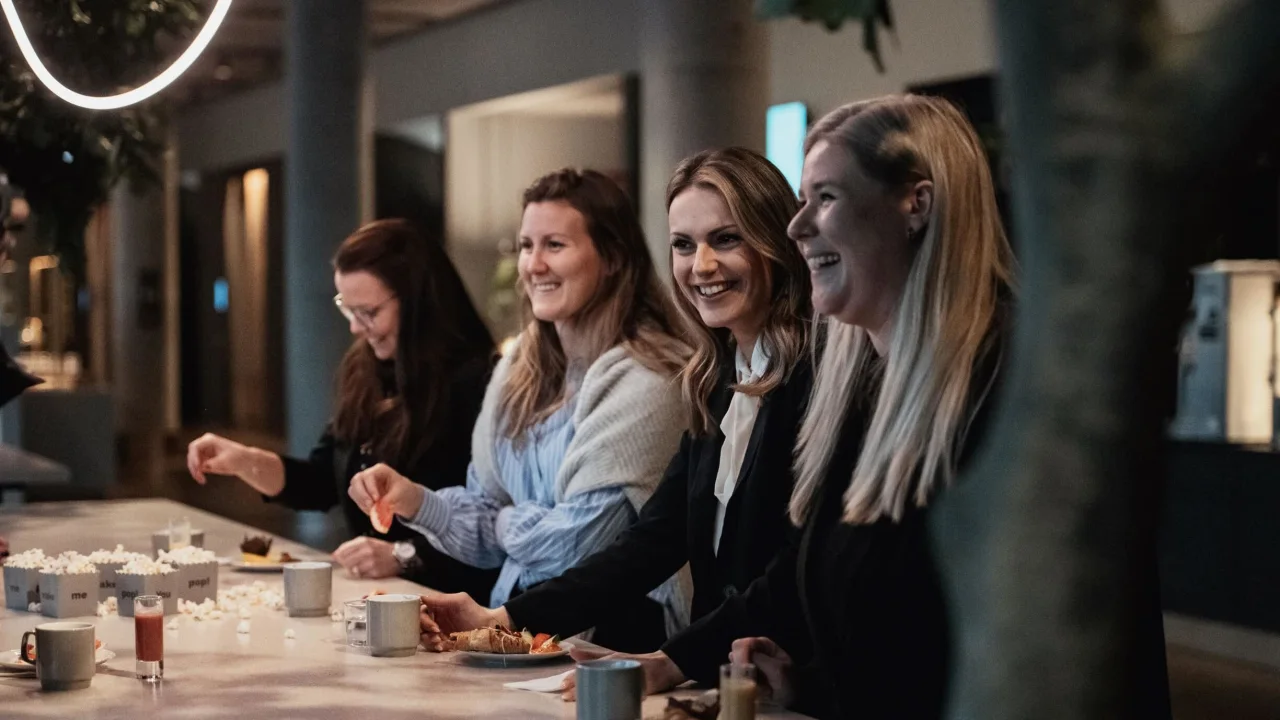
(22, 649)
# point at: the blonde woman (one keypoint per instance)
(742, 289)
(579, 419)
(911, 267)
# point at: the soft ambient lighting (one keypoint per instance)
(124, 99)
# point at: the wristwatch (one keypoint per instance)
(406, 554)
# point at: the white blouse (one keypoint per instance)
(738, 422)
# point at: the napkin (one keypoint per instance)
(544, 685)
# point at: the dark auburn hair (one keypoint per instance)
(398, 406)
(630, 307)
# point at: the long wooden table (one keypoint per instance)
(213, 672)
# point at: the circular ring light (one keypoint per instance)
(138, 94)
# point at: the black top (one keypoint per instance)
(863, 604)
(677, 524)
(320, 482)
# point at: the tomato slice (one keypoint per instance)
(381, 516)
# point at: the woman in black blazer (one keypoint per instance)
(408, 392)
(743, 292)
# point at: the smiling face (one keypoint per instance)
(559, 266)
(853, 233)
(374, 311)
(714, 267)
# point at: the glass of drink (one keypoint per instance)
(354, 612)
(148, 636)
(737, 692)
(179, 534)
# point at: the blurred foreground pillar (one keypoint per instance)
(325, 161)
(704, 83)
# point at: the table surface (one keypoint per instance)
(212, 672)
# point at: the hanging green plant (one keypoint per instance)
(66, 159)
(832, 13)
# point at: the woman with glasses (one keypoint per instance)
(580, 418)
(408, 392)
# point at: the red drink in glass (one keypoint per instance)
(148, 637)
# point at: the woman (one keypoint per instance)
(408, 390)
(742, 290)
(579, 419)
(909, 262)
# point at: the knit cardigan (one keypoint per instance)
(627, 422)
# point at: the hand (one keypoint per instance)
(660, 672)
(773, 666)
(367, 558)
(402, 494)
(263, 471)
(455, 612)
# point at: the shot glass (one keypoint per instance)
(179, 534)
(355, 614)
(738, 692)
(148, 637)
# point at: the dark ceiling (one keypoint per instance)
(247, 50)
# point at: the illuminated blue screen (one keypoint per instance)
(221, 295)
(784, 128)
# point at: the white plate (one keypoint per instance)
(11, 663)
(508, 660)
(239, 566)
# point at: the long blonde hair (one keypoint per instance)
(630, 306)
(941, 324)
(762, 205)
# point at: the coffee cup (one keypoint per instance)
(392, 622)
(64, 654)
(609, 689)
(308, 588)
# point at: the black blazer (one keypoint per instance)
(320, 482)
(676, 525)
(864, 604)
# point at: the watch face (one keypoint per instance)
(404, 551)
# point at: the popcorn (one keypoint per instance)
(143, 565)
(119, 555)
(68, 563)
(245, 612)
(243, 627)
(290, 634)
(31, 559)
(188, 555)
(335, 616)
(110, 606)
(33, 607)
(173, 624)
(238, 600)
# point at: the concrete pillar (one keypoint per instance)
(704, 83)
(137, 232)
(325, 43)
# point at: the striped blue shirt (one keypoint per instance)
(533, 538)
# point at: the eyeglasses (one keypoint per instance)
(364, 316)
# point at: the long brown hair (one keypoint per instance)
(630, 307)
(400, 406)
(762, 205)
(942, 323)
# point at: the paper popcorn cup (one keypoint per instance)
(21, 587)
(68, 595)
(107, 579)
(129, 587)
(197, 581)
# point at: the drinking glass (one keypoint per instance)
(737, 692)
(148, 637)
(179, 534)
(354, 612)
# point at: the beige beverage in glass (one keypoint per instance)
(737, 692)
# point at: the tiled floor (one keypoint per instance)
(1204, 686)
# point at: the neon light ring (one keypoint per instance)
(124, 99)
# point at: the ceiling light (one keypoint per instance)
(112, 102)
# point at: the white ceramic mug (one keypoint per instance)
(308, 588)
(392, 621)
(64, 654)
